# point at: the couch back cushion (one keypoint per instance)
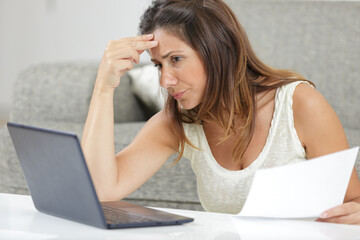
(62, 92)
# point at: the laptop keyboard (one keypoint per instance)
(116, 215)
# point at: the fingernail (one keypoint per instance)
(149, 36)
(154, 43)
(324, 215)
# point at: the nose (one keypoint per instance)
(167, 78)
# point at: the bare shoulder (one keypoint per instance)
(307, 101)
(317, 125)
(159, 129)
(161, 120)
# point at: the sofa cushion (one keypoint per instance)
(62, 92)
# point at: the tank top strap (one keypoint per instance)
(192, 133)
(286, 115)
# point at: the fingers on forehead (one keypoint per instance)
(138, 38)
(142, 45)
(144, 37)
(138, 44)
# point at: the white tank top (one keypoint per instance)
(221, 190)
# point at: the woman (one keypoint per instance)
(226, 111)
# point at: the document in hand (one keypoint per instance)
(301, 190)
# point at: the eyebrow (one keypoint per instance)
(166, 55)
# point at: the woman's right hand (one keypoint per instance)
(119, 57)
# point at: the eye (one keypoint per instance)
(158, 66)
(176, 59)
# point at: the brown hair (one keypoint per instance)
(234, 73)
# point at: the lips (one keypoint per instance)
(178, 95)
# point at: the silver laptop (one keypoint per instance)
(60, 184)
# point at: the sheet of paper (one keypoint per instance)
(301, 190)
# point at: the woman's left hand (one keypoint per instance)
(347, 213)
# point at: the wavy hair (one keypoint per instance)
(234, 73)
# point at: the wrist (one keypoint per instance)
(106, 84)
(103, 91)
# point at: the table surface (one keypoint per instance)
(20, 220)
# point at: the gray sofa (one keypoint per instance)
(57, 96)
(318, 39)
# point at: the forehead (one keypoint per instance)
(167, 42)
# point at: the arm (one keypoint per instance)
(116, 176)
(321, 132)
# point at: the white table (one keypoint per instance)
(20, 220)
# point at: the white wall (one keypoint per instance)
(58, 30)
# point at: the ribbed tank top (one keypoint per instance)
(221, 190)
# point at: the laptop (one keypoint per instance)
(60, 184)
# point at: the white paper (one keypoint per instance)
(301, 190)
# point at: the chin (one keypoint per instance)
(184, 107)
(188, 106)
